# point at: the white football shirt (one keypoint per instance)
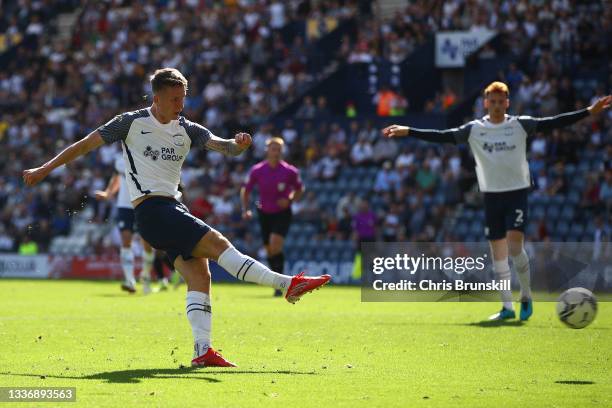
(500, 149)
(153, 152)
(500, 152)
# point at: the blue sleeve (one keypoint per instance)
(198, 134)
(532, 125)
(117, 128)
(457, 135)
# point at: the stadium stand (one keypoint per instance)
(284, 68)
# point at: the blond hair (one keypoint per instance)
(495, 87)
(276, 140)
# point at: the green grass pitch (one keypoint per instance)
(330, 349)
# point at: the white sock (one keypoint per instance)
(521, 265)
(249, 270)
(502, 272)
(200, 318)
(147, 264)
(127, 264)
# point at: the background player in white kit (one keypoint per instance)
(127, 227)
(156, 141)
(499, 143)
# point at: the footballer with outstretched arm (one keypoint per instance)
(499, 143)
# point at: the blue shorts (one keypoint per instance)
(167, 224)
(505, 211)
(125, 219)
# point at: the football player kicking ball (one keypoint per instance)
(155, 142)
(499, 144)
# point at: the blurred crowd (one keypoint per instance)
(243, 60)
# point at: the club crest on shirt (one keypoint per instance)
(178, 139)
(281, 186)
(149, 152)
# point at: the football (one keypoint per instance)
(577, 307)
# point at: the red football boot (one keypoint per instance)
(301, 284)
(211, 359)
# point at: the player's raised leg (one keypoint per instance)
(520, 261)
(196, 273)
(215, 246)
(501, 267)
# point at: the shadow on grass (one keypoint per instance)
(486, 324)
(574, 382)
(134, 376)
(269, 296)
(118, 295)
(496, 323)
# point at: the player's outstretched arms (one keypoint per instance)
(396, 131)
(229, 147)
(72, 152)
(454, 135)
(565, 119)
(600, 105)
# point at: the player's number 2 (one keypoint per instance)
(519, 217)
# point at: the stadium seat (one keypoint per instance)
(348, 255)
(584, 167)
(333, 256)
(590, 229)
(341, 185)
(577, 184)
(368, 184)
(570, 170)
(553, 211)
(355, 184)
(577, 229)
(476, 228)
(361, 171)
(556, 199)
(319, 255)
(439, 199)
(561, 228)
(532, 228)
(573, 197)
(309, 229)
(567, 213)
(300, 240)
(598, 164)
(587, 237)
(537, 200)
(538, 212)
(461, 229)
(468, 214)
